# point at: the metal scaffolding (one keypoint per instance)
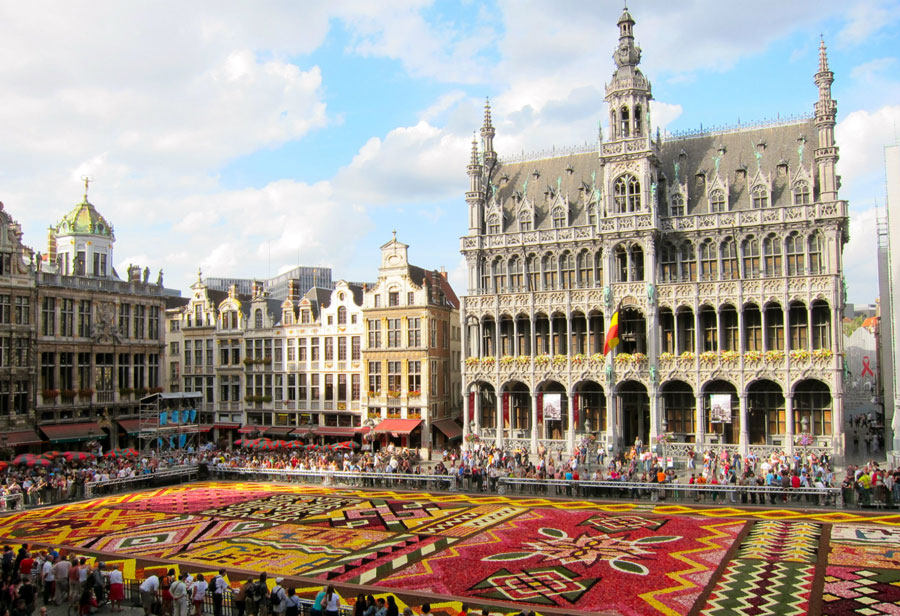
(169, 421)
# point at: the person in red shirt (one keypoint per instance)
(26, 565)
(795, 480)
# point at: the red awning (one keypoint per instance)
(249, 429)
(67, 433)
(279, 430)
(205, 427)
(227, 426)
(131, 426)
(400, 426)
(450, 428)
(300, 431)
(22, 437)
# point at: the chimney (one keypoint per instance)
(232, 291)
(256, 289)
(444, 272)
(51, 245)
(293, 291)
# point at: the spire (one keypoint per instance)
(627, 53)
(823, 55)
(487, 137)
(474, 159)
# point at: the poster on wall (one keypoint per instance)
(720, 408)
(552, 406)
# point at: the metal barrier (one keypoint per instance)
(732, 493)
(177, 474)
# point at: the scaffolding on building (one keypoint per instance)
(169, 421)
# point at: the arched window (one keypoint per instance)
(258, 319)
(287, 316)
(760, 196)
(688, 262)
(342, 315)
(677, 208)
(668, 263)
(567, 271)
(637, 263)
(499, 271)
(516, 280)
(795, 252)
(717, 201)
(548, 267)
(728, 252)
(598, 267)
(485, 276)
(772, 256)
(624, 122)
(524, 221)
(585, 269)
(559, 218)
(801, 193)
(621, 257)
(798, 326)
(750, 254)
(812, 408)
(638, 121)
(709, 259)
(533, 272)
(821, 325)
(494, 225)
(816, 254)
(627, 194)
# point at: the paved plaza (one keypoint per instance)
(562, 556)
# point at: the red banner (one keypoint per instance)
(575, 410)
(505, 407)
(540, 408)
(471, 406)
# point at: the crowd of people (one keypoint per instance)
(32, 576)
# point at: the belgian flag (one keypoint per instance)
(612, 334)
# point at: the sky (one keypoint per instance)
(244, 138)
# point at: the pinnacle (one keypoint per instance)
(823, 56)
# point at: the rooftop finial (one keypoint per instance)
(199, 274)
(487, 111)
(474, 160)
(395, 234)
(87, 180)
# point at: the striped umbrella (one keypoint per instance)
(51, 454)
(297, 444)
(78, 456)
(22, 458)
(264, 445)
(38, 461)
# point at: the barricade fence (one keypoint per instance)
(733, 493)
(175, 474)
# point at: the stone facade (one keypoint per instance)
(721, 251)
(411, 354)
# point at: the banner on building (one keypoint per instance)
(720, 408)
(552, 407)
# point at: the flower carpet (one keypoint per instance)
(556, 556)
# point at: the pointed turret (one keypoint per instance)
(475, 194)
(826, 111)
(487, 137)
(628, 94)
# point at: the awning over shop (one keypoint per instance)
(279, 430)
(131, 426)
(334, 431)
(71, 433)
(22, 437)
(227, 426)
(251, 429)
(205, 427)
(398, 426)
(450, 428)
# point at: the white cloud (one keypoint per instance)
(860, 253)
(866, 18)
(872, 69)
(862, 136)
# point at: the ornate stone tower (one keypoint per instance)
(826, 110)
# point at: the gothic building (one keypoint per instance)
(721, 251)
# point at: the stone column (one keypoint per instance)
(789, 424)
(745, 429)
(700, 425)
(534, 423)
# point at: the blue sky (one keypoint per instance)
(247, 138)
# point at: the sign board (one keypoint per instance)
(720, 408)
(553, 406)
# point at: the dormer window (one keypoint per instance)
(677, 208)
(717, 201)
(524, 221)
(287, 317)
(494, 225)
(801, 193)
(559, 218)
(760, 196)
(304, 316)
(258, 318)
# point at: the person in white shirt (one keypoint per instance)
(149, 589)
(116, 588)
(198, 594)
(48, 580)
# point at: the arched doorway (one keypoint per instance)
(812, 408)
(589, 407)
(483, 404)
(517, 409)
(765, 411)
(634, 405)
(678, 410)
(714, 395)
(553, 409)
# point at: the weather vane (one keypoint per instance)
(87, 180)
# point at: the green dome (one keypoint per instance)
(84, 218)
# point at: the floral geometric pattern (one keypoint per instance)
(572, 555)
